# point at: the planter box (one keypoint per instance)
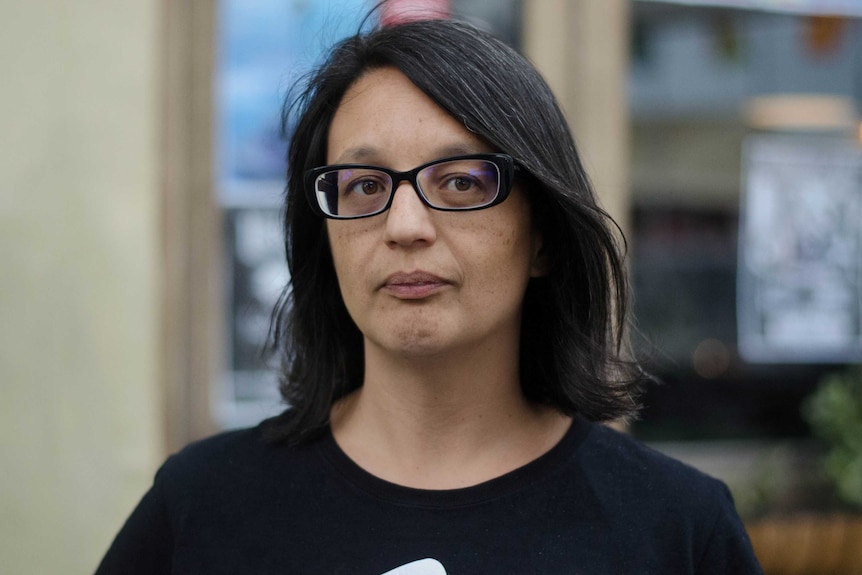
(829, 544)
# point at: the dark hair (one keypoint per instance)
(573, 352)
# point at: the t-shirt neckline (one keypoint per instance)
(490, 490)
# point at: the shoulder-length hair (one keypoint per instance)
(572, 347)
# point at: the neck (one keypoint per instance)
(443, 422)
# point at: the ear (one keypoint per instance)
(540, 265)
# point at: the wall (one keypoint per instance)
(581, 49)
(80, 422)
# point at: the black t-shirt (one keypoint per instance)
(597, 503)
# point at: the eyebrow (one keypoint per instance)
(372, 155)
(357, 154)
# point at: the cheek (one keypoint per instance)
(347, 240)
(501, 254)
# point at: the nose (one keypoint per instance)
(409, 220)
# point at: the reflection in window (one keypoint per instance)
(264, 47)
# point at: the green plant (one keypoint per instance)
(834, 412)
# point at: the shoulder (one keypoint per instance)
(663, 507)
(217, 451)
(620, 456)
(671, 507)
(640, 482)
(231, 458)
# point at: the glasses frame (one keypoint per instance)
(506, 167)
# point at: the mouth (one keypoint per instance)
(413, 285)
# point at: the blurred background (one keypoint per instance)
(140, 255)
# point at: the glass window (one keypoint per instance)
(263, 48)
(709, 146)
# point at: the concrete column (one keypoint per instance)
(191, 340)
(581, 47)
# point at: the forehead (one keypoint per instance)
(385, 119)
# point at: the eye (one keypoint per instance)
(460, 184)
(365, 184)
(365, 187)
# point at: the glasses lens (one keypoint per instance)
(460, 184)
(352, 192)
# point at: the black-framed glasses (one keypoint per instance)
(459, 183)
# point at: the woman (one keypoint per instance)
(453, 330)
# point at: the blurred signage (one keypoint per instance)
(799, 296)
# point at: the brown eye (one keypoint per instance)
(462, 184)
(366, 187)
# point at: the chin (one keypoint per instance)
(418, 347)
(419, 344)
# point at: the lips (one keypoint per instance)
(414, 285)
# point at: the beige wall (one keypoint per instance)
(80, 425)
(581, 48)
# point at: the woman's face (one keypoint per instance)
(417, 281)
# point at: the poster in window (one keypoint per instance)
(800, 256)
